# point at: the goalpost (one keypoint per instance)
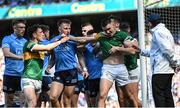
(170, 17)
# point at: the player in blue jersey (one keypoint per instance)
(65, 76)
(12, 46)
(94, 67)
(44, 100)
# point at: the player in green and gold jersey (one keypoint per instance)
(33, 63)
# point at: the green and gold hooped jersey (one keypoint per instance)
(107, 43)
(33, 62)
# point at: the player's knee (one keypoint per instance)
(131, 97)
(102, 96)
(32, 103)
(68, 96)
(53, 98)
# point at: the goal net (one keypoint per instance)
(171, 18)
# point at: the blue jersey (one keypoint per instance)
(46, 58)
(65, 58)
(93, 64)
(15, 44)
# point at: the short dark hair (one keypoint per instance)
(16, 21)
(67, 21)
(114, 18)
(32, 29)
(85, 24)
(105, 22)
(44, 27)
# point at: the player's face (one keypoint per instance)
(19, 29)
(110, 29)
(46, 33)
(65, 28)
(85, 29)
(39, 34)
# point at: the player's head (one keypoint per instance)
(64, 26)
(125, 27)
(116, 21)
(86, 28)
(19, 26)
(35, 32)
(108, 27)
(45, 29)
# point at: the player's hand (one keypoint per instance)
(113, 49)
(85, 74)
(47, 71)
(177, 69)
(63, 35)
(64, 39)
(132, 50)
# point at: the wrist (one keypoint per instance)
(59, 42)
(20, 57)
(84, 69)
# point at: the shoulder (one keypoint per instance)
(24, 39)
(121, 33)
(99, 36)
(7, 37)
(55, 38)
(29, 44)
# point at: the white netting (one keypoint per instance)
(171, 18)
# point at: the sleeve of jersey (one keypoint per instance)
(30, 46)
(5, 42)
(98, 36)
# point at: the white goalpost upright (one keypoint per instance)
(141, 31)
(170, 17)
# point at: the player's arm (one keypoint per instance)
(50, 46)
(51, 63)
(122, 49)
(9, 54)
(90, 38)
(82, 64)
(82, 39)
(6, 50)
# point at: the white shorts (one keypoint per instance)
(134, 75)
(117, 73)
(32, 83)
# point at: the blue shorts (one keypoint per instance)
(93, 87)
(79, 87)
(46, 83)
(68, 77)
(11, 84)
